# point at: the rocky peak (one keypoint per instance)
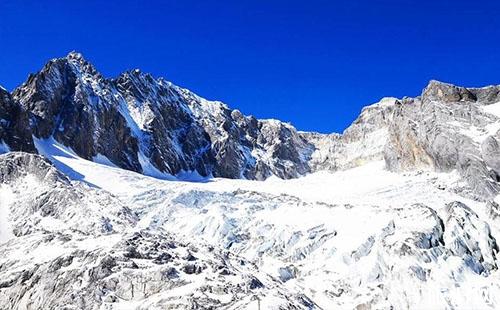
(16, 165)
(60, 83)
(444, 92)
(448, 128)
(170, 136)
(75, 55)
(487, 95)
(372, 117)
(144, 88)
(71, 102)
(81, 65)
(138, 76)
(5, 98)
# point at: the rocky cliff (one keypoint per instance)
(449, 128)
(15, 133)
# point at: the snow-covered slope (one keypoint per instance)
(67, 244)
(359, 238)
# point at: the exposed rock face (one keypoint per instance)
(246, 147)
(69, 100)
(183, 132)
(479, 254)
(150, 125)
(448, 128)
(18, 165)
(362, 142)
(447, 93)
(15, 131)
(168, 134)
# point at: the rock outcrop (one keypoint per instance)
(448, 128)
(15, 133)
(71, 102)
(45, 199)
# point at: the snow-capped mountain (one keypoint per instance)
(152, 126)
(399, 211)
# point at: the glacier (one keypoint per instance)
(360, 238)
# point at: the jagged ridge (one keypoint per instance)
(154, 127)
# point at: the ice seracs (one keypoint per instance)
(362, 236)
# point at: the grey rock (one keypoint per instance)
(70, 101)
(419, 273)
(447, 93)
(169, 135)
(287, 273)
(16, 165)
(136, 116)
(15, 131)
(440, 131)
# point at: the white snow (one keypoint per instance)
(103, 160)
(315, 222)
(341, 230)
(6, 196)
(493, 109)
(384, 102)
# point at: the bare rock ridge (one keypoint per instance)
(71, 102)
(152, 126)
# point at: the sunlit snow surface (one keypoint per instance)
(348, 239)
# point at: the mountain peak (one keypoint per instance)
(446, 92)
(434, 83)
(75, 55)
(81, 64)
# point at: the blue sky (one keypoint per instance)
(312, 63)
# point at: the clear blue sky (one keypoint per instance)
(312, 63)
